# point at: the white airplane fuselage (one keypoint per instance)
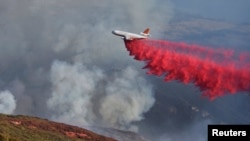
(129, 36)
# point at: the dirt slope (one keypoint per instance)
(24, 128)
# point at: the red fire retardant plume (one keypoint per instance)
(215, 71)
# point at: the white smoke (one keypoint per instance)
(7, 102)
(87, 96)
(129, 96)
(72, 89)
(36, 33)
(85, 34)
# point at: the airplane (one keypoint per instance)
(132, 36)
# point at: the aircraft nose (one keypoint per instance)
(113, 32)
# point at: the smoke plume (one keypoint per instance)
(34, 34)
(72, 86)
(132, 96)
(7, 102)
(94, 64)
(86, 96)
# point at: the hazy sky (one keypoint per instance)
(228, 10)
(59, 60)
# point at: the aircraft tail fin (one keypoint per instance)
(146, 32)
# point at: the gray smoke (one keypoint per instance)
(86, 96)
(59, 60)
(37, 33)
(129, 96)
(7, 102)
(72, 89)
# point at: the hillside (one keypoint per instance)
(24, 128)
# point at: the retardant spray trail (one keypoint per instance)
(215, 71)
